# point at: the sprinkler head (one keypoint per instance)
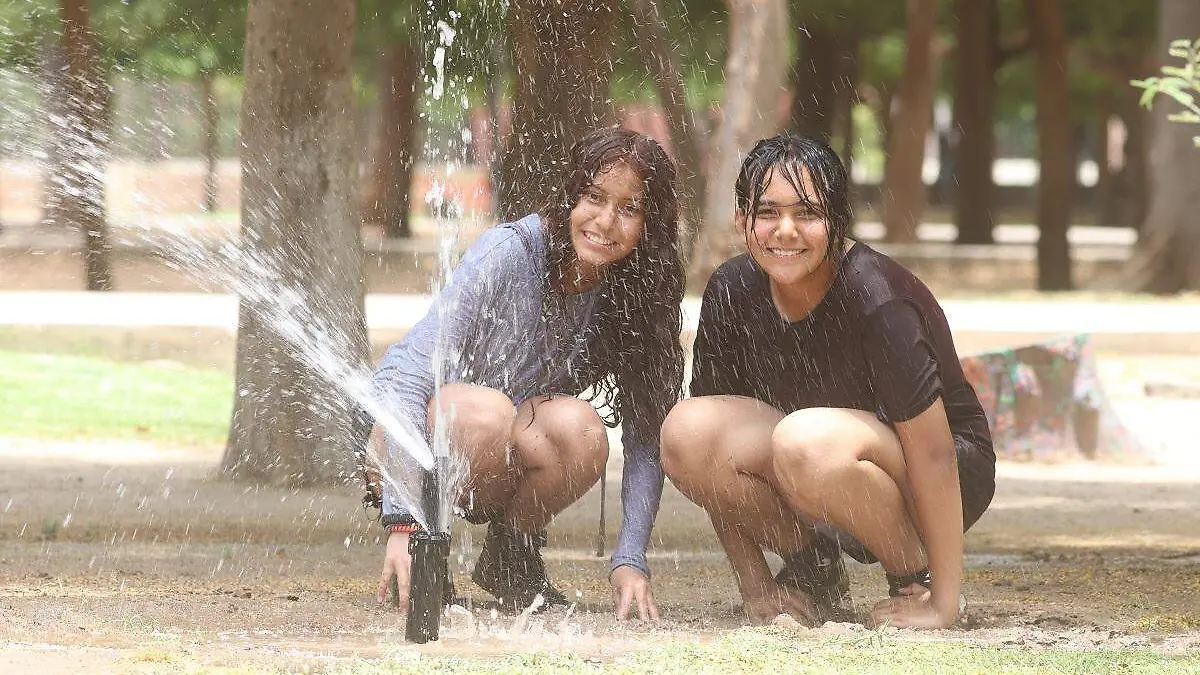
(430, 553)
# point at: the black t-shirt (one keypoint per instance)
(878, 341)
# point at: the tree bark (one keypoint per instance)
(904, 191)
(290, 425)
(492, 89)
(814, 76)
(1102, 195)
(848, 98)
(974, 111)
(1056, 175)
(563, 67)
(80, 187)
(687, 127)
(1168, 259)
(755, 81)
(1135, 176)
(211, 147)
(396, 153)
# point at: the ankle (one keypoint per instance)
(900, 581)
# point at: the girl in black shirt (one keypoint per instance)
(829, 410)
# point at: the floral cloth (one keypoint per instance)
(1044, 402)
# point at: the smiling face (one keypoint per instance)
(787, 234)
(608, 220)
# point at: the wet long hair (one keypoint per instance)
(634, 367)
(791, 156)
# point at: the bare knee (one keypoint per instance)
(473, 409)
(686, 435)
(808, 447)
(561, 429)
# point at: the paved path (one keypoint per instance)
(60, 308)
(1013, 241)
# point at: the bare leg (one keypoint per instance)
(562, 448)
(480, 431)
(525, 464)
(717, 451)
(847, 468)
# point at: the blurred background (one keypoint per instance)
(994, 144)
(312, 168)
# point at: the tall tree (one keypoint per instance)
(396, 142)
(1115, 39)
(1056, 173)
(216, 33)
(300, 232)
(974, 109)
(814, 79)
(755, 83)
(79, 187)
(904, 188)
(687, 126)
(1168, 259)
(563, 69)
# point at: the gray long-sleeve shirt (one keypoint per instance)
(489, 315)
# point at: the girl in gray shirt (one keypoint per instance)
(582, 298)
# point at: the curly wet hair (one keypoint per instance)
(636, 360)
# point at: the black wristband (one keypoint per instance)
(403, 518)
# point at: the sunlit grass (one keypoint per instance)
(766, 651)
(67, 397)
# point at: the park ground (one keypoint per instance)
(132, 556)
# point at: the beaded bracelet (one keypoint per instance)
(406, 528)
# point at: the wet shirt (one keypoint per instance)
(485, 328)
(878, 341)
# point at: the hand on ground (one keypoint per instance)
(914, 608)
(398, 561)
(773, 600)
(631, 587)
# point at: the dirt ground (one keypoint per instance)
(112, 555)
(115, 557)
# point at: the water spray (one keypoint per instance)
(430, 588)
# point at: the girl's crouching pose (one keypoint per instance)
(830, 410)
(583, 296)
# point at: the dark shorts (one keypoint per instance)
(977, 481)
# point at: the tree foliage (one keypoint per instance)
(1179, 83)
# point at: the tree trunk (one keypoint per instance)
(687, 127)
(211, 148)
(974, 110)
(904, 188)
(1102, 195)
(396, 153)
(848, 98)
(1168, 259)
(495, 104)
(563, 67)
(81, 184)
(52, 68)
(814, 76)
(1056, 175)
(290, 426)
(755, 82)
(1135, 176)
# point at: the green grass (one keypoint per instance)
(764, 650)
(67, 397)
